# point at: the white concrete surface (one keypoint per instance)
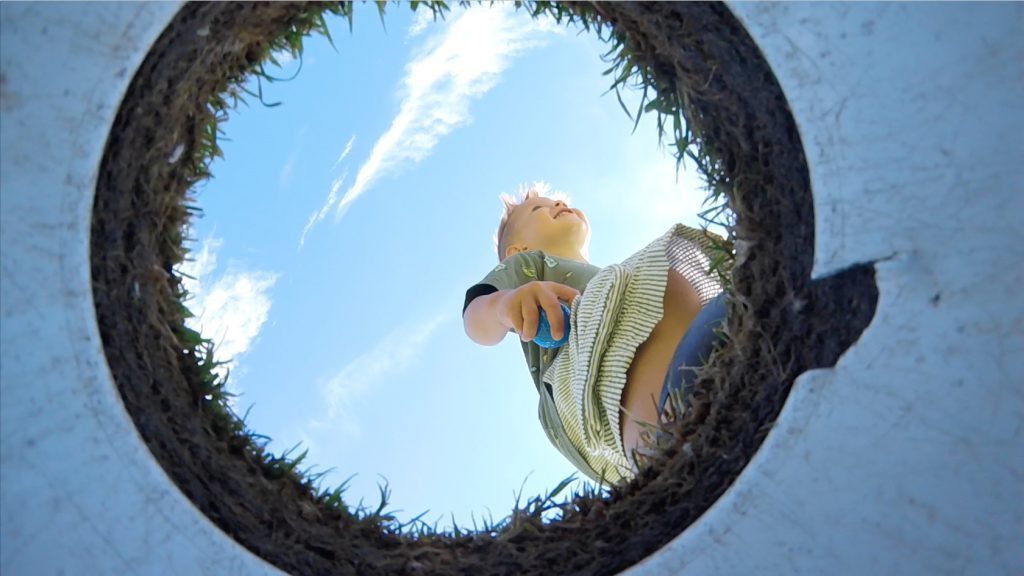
(907, 458)
(81, 493)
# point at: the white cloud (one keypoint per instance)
(390, 356)
(332, 196)
(424, 17)
(345, 152)
(284, 57)
(285, 177)
(199, 264)
(234, 309)
(462, 64)
(231, 308)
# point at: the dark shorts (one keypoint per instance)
(693, 350)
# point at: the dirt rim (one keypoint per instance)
(781, 324)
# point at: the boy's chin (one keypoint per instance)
(572, 222)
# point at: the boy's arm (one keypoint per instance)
(489, 317)
(481, 320)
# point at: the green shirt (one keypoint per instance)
(513, 272)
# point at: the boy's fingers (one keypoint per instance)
(565, 293)
(517, 324)
(529, 331)
(556, 320)
(511, 314)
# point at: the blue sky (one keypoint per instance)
(343, 227)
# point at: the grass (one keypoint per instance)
(625, 72)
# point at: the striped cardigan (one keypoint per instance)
(580, 385)
(617, 312)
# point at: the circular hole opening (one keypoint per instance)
(697, 55)
(343, 298)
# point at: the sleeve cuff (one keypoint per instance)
(475, 292)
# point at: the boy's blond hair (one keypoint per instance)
(509, 204)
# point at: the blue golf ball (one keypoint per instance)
(543, 338)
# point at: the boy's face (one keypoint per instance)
(544, 223)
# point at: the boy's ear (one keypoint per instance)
(515, 249)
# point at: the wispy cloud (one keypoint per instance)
(283, 57)
(463, 63)
(285, 177)
(389, 357)
(230, 308)
(199, 266)
(332, 196)
(344, 153)
(420, 22)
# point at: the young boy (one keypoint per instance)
(600, 390)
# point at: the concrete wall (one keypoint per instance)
(906, 458)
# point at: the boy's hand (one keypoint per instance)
(518, 309)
